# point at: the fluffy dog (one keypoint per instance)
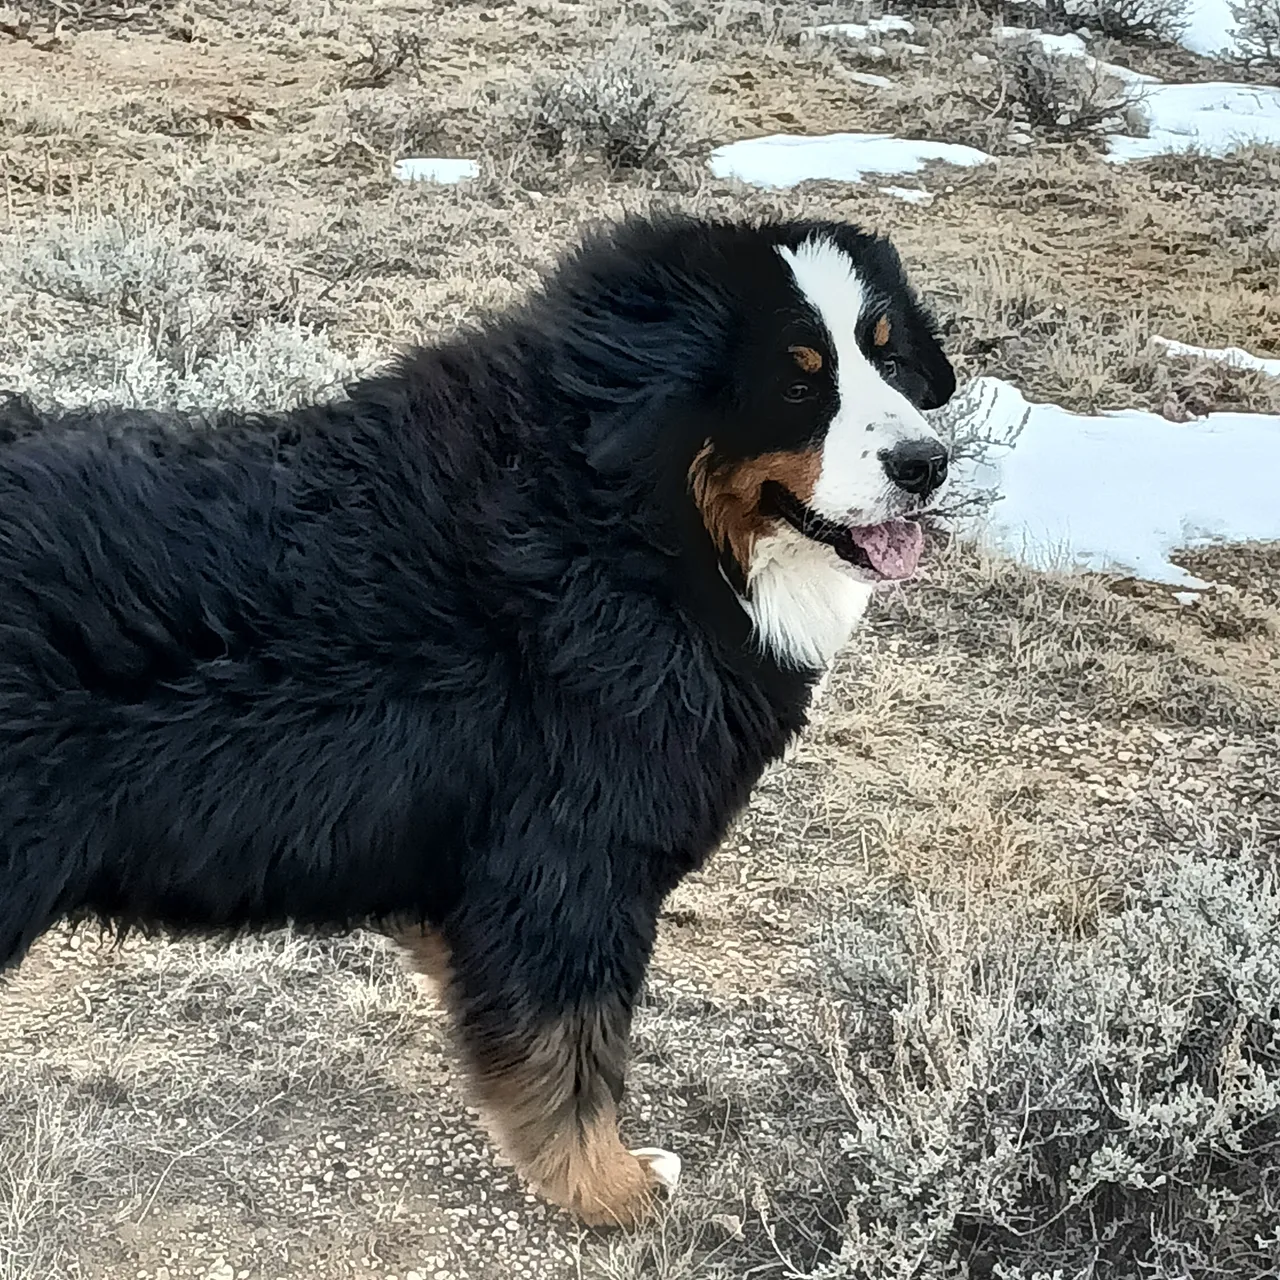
(494, 647)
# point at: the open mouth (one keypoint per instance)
(889, 550)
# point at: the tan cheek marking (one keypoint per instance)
(880, 336)
(796, 471)
(728, 497)
(809, 360)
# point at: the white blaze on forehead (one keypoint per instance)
(871, 416)
(827, 277)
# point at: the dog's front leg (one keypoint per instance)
(541, 971)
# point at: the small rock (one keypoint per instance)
(730, 1224)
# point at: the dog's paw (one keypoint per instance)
(665, 1166)
(623, 1192)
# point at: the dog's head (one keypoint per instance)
(822, 433)
(809, 360)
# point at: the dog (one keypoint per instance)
(488, 652)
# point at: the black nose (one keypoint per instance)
(918, 466)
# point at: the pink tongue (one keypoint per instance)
(893, 547)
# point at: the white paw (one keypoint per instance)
(664, 1165)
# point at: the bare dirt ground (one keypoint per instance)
(974, 987)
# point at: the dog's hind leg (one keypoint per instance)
(546, 1048)
(426, 955)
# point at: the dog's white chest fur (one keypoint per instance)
(803, 601)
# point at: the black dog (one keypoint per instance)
(494, 647)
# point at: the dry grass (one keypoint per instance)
(1017, 776)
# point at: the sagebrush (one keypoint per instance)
(1063, 96)
(1141, 19)
(1043, 1104)
(1258, 31)
(622, 108)
(160, 314)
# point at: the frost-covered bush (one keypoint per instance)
(1121, 19)
(275, 364)
(1141, 19)
(1258, 31)
(623, 108)
(158, 313)
(1052, 1106)
(1064, 96)
(123, 265)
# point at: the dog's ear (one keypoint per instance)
(639, 348)
(939, 375)
(928, 379)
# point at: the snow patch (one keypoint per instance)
(912, 195)
(863, 77)
(1215, 118)
(786, 159)
(1064, 46)
(434, 169)
(1115, 491)
(1236, 357)
(1072, 46)
(886, 25)
(1210, 29)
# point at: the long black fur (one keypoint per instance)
(454, 648)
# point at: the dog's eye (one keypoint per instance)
(797, 391)
(889, 368)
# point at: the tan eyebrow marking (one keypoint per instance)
(880, 334)
(807, 358)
